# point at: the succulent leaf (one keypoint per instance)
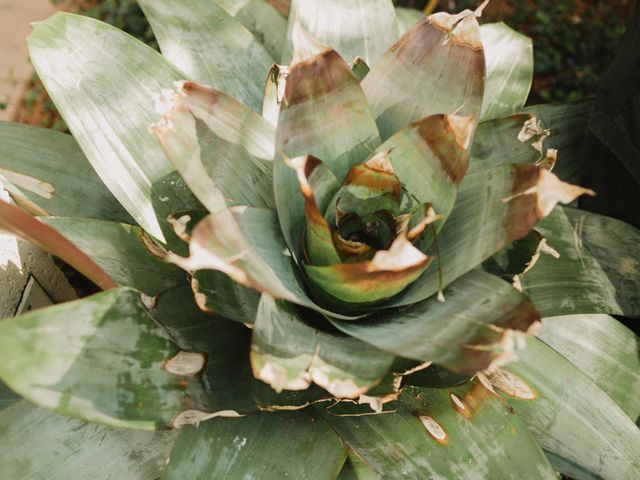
(172, 200)
(324, 113)
(66, 448)
(247, 245)
(430, 158)
(102, 359)
(102, 82)
(364, 29)
(228, 385)
(51, 171)
(348, 285)
(221, 148)
(450, 433)
(264, 445)
(217, 293)
(303, 187)
(436, 67)
(266, 24)
(509, 64)
(584, 431)
(466, 333)
(604, 350)
(210, 46)
(598, 270)
(288, 353)
(493, 208)
(497, 141)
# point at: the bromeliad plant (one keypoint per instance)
(362, 255)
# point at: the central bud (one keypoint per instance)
(370, 210)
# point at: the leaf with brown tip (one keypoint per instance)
(289, 354)
(478, 324)
(324, 113)
(23, 225)
(431, 156)
(246, 244)
(436, 67)
(303, 187)
(220, 147)
(493, 208)
(382, 277)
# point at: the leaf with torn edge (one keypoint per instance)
(450, 433)
(289, 354)
(480, 323)
(102, 359)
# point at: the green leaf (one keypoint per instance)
(247, 245)
(496, 141)
(407, 18)
(222, 149)
(264, 445)
(122, 251)
(215, 292)
(568, 124)
(359, 68)
(51, 171)
(172, 199)
(444, 433)
(431, 156)
(434, 68)
(290, 354)
(353, 29)
(491, 211)
(598, 270)
(347, 285)
(303, 187)
(62, 448)
(509, 64)
(228, 385)
(324, 113)
(569, 415)
(356, 469)
(518, 257)
(466, 332)
(102, 359)
(7, 397)
(604, 350)
(210, 46)
(23, 225)
(103, 82)
(266, 24)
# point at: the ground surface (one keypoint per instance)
(15, 69)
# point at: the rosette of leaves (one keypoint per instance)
(316, 242)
